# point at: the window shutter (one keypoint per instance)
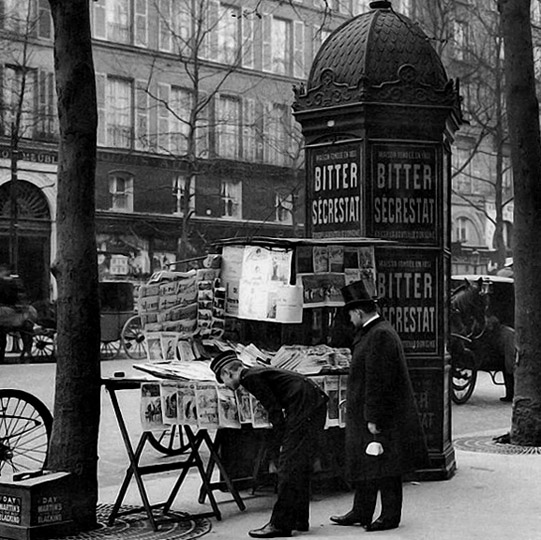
(164, 32)
(141, 116)
(163, 117)
(267, 42)
(99, 27)
(247, 42)
(45, 21)
(298, 53)
(141, 37)
(42, 113)
(249, 138)
(101, 81)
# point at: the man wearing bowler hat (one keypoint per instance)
(384, 437)
(297, 407)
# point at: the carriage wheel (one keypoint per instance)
(462, 383)
(25, 428)
(169, 442)
(133, 338)
(43, 346)
(109, 349)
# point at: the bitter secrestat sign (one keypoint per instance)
(334, 198)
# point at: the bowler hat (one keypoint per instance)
(222, 360)
(356, 294)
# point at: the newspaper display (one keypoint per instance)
(206, 395)
(187, 407)
(169, 402)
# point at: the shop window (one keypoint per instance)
(121, 190)
(231, 199)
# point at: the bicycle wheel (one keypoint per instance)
(170, 442)
(25, 429)
(133, 338)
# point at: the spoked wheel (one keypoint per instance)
(169, 442)
(462, 383)
(43, 345)
(109, 349)
(133, 338)
(25, 429)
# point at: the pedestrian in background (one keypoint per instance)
(297, 408)
(384, 437)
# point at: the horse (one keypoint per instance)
(478, 340)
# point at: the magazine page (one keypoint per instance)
(207, 405)
(321, 259)
(168, 341)
(228, 414)
(244, 405)
(169, 395)
(153, 345)
(151, 407)
(260, 416)
(332, 390)
(186, 403)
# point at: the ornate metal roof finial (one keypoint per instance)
(380, 4)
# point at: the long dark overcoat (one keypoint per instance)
(380, 391)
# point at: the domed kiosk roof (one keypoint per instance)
(379, 55)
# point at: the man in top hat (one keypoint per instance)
(296, 406)
(384, 437)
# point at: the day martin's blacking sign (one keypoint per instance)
(408, 286)
(334, 185)
(404, 191)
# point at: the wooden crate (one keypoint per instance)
(36, 507)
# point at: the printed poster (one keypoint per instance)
(206, 395)
(186, 402)
(169, 395)
(332, 390)
(230, 276)
(260, 416)
(320, 290)
(244, 405)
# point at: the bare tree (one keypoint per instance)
(524, 134)
(74, 439)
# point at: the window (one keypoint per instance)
(281, 46)
(142, 141)
(284, 208)
(466, 232)
(174, 21)
(45, 23)
(121, 190)
(181, 106)
(47, 119)
(275, 135)
(119, 117)
(179, 190)
(228, 127)
(16, 15)
(228, 30)
(118, 21)
(16, 81)
(231, 198)
(283, 40)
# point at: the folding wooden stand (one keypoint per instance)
(137, 471)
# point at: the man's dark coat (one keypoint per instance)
(380, 391)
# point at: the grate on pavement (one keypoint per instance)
(487, 444)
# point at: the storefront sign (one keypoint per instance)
(10, 509)
(404, 191)
(334, 183)
(407, 285)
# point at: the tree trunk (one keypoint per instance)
(523, 114)
(77, 396)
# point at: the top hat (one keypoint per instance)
(222, 360)
(356, 293)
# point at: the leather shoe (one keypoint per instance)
(269, 531)
(302, 526)
(381, 525)
(347, 519)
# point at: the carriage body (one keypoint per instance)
(488, 345)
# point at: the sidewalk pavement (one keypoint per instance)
(491, 497)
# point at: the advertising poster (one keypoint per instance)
(169, 395)
(334, 190)
(206, 396)
(186, 403)
(151, 407)
(408, 285)
(228, 413)
(404, 191)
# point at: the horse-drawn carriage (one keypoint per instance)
(482, 336)
(120, 327)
